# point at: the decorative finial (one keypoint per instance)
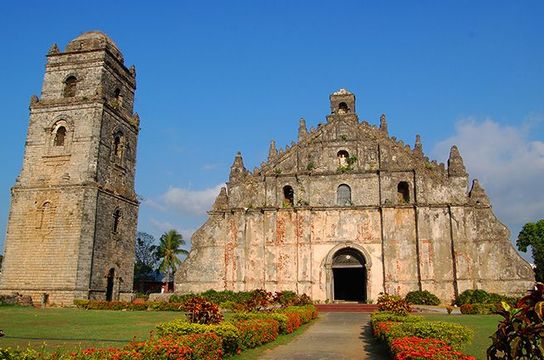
(53, 50)
(418, 147)
(237, 170)
(272, 151)
(34, 100)
(383, 124)
(222, 200)
(302, 131)
(456, 167)
(477, 194)
(132, 71)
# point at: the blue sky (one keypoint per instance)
(219, 77)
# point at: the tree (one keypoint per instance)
(169, 248)
(532, 235)
(146, 259)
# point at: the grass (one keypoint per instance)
(75, 328)
(483, 325)
(71, 328)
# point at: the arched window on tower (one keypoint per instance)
(343, 108)
(118, 145)
(288, 196)
(45, 215)
(60, 136)
(117, 98)
(70, 85)
(343, 195)
(116, 220)
(403, 192)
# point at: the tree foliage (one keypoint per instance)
(146, 259)
(168, 251)
(532, 235)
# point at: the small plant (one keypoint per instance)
(310, 166)
(468, 309)
(422, 298)
(202, 311)
(520, 334)
(394, 304)
(450, 309)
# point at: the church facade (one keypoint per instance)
(73, 216)
(348, 212)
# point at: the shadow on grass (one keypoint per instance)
(374, 349)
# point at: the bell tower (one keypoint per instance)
(74, 210)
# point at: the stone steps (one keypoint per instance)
(347, 307)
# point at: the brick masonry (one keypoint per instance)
(74, 210)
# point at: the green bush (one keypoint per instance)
(422, 298)
(227, 331)
(455, 335)
(483, 297)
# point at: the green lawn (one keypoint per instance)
(75, 328)
(483, 325)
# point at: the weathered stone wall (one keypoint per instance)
(410, 218)
(59, 237)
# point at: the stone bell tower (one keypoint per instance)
(73, 215)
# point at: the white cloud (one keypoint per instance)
(186, 201)
(508, 164)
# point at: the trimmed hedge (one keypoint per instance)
(227, 331)
(389, 316)
(422, 298)
(130, 306)
(483, 297)
(479, 309)
(454, 335)
(253, 333)
(306, 312)
(286, 325)
(412, 347)
(187, 347)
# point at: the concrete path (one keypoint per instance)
(334, 336)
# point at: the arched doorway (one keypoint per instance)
(109, 287)
(349, 275)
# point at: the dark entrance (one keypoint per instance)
(349, 274)
(109, 288)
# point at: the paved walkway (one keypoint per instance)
(334, 336)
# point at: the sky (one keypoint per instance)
(217, 77)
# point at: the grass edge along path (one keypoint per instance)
(483, 325)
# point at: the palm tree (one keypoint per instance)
(168, 250)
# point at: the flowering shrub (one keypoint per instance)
(201, 311)
(454, 335)
(382, 328)
(414, 348)
(307, 312)
(288, 322)
(194, 346)
(394, 304)
(227, 331)
(467, 309)
(260, 299)
(253, 333)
